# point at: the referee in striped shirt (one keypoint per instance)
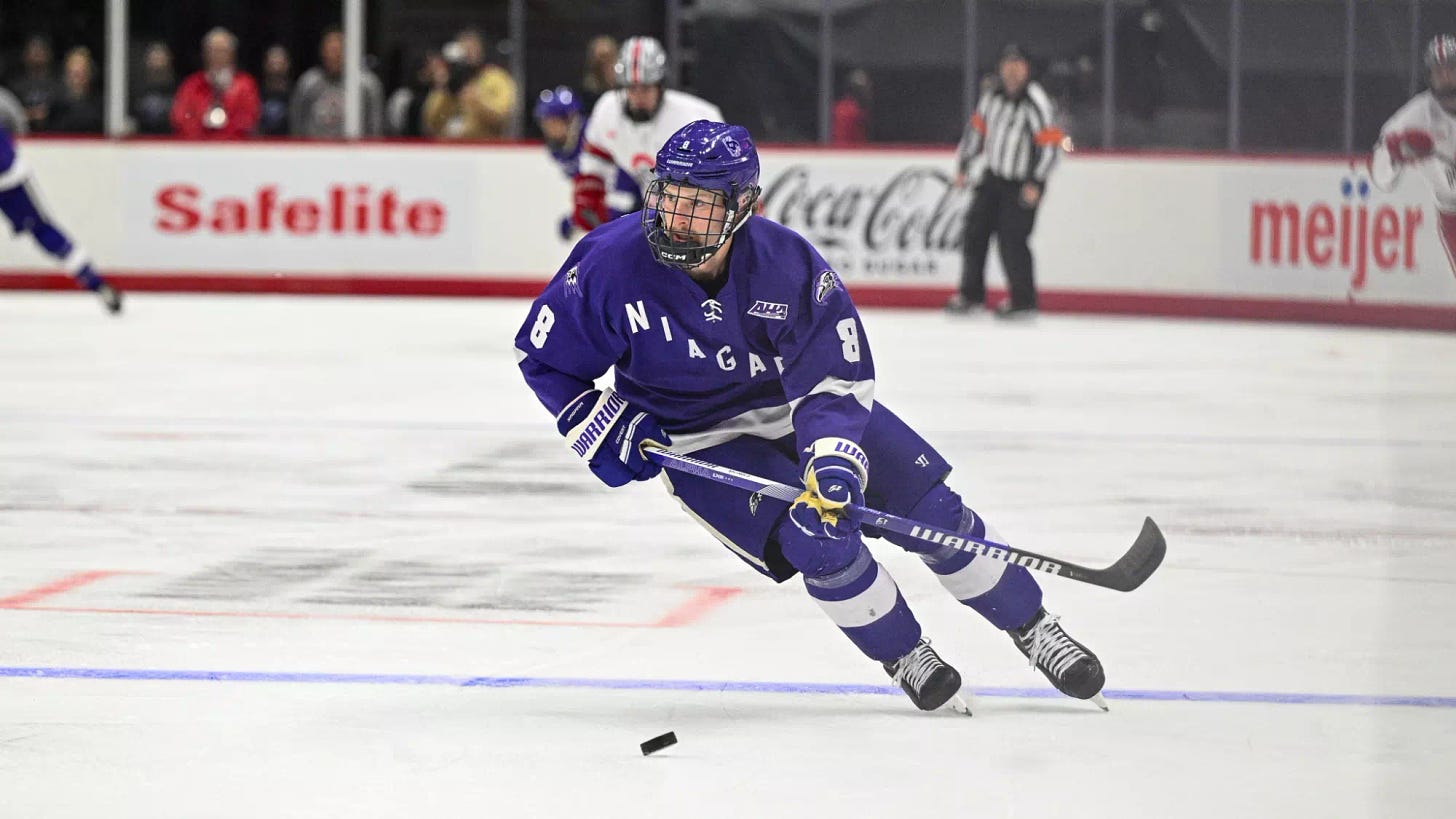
(1013, 134)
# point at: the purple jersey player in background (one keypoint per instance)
(22, 207)
(731, 338)
(558, 112)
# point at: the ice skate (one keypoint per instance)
(929, 681)
(89, 279)
(1005, 310)
(110, 298)
(1070, 667)
(959, 305)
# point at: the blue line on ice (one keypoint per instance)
(1277, 697)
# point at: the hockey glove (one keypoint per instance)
(836, 471)
(588, 201)
(605, 430)
(1409, 146)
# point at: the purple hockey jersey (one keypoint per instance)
(779, 350)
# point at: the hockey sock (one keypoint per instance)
(24, 211)
(1004, 594)
(863, 600)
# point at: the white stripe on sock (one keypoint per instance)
(75, 260)
(15, 176)
(977, 577)
(867, 606)
(974, 579)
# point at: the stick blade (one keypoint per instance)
(1144, 558)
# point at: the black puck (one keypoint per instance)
(658, 743)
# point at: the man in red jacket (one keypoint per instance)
(851, 115)
(218, 102)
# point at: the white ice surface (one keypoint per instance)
(353, 486)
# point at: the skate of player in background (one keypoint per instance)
(22, 207)
(629, 124)
(1422, 135)
(558, 114)
(731, 338)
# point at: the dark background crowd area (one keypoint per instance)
(898, 66)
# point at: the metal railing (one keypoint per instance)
(1375, 43)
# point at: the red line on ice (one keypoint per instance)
(61, 586)
(703, 600)
(706, 599)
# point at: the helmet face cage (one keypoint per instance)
(686, 224)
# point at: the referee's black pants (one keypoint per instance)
(996, 209)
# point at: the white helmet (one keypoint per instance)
(1441, 53)
(642, 61)
(1441, 50)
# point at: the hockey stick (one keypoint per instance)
(1129, 572)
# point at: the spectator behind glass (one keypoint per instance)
(405, 111)
(12, 114)
(317, 110)
(78, 109)
(600, 74)
(151, 107)
(480, 99)
(218, 102)
(37, 86)
(277, 88)
(852, 111)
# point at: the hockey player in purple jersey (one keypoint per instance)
(558, 113)
(22, 208)
(732, 339)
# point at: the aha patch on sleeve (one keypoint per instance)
(769, 310)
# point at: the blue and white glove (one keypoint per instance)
(836, 472)
(607, 432)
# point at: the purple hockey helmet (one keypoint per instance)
(560, 101)
(703, 163)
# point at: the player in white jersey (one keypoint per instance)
(1422, 136)
(629, 125)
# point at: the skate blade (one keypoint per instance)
(1099, 701)
(962, 703)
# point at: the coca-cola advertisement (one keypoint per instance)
(873, 218)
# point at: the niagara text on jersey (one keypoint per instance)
(708, 367)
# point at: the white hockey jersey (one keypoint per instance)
(614, 139)
(1422, 113)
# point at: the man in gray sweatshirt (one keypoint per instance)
(317, 108)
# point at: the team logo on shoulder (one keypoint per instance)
(573, 287)
(753, 501)
(769, 310)
(712, 310)
(828, 282)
